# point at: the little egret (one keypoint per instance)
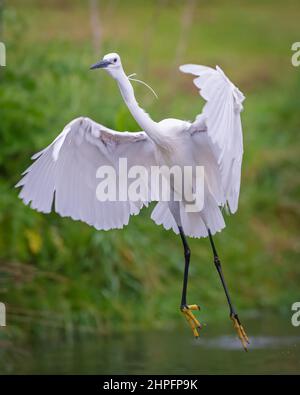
(64, 173)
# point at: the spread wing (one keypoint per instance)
(64, 173)
(221, 120)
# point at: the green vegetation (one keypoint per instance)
(57, 273)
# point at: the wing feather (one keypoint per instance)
(221, 116)
(65, 173)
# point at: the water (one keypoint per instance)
(274, 349)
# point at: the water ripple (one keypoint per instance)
(256, 342)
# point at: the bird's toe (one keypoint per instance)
(240, 331)
(194, 324)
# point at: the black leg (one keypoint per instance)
(187, 257)
(233, 315)
(219, 269)
(184, 307)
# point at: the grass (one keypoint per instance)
(62, 274)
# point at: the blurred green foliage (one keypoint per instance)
(59, 274)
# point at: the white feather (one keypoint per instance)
(221, 115)
(66, 172)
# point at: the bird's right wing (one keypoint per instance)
(221, 122)
(64, 173)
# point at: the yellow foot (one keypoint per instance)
(191, 319)
(240, 331)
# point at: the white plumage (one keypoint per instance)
(63, 175)
(66, 172)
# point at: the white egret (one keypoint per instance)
(64, 173)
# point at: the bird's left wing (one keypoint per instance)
(65, 173)
(221, 120)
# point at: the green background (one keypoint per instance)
(59, 277)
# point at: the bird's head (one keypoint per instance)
(111, 63)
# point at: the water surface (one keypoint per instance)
(274, 349)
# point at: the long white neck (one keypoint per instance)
(141, 117)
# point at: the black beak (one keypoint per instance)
(100, 65)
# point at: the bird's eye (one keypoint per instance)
(115, 60)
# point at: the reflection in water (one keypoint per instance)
(274, 349)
